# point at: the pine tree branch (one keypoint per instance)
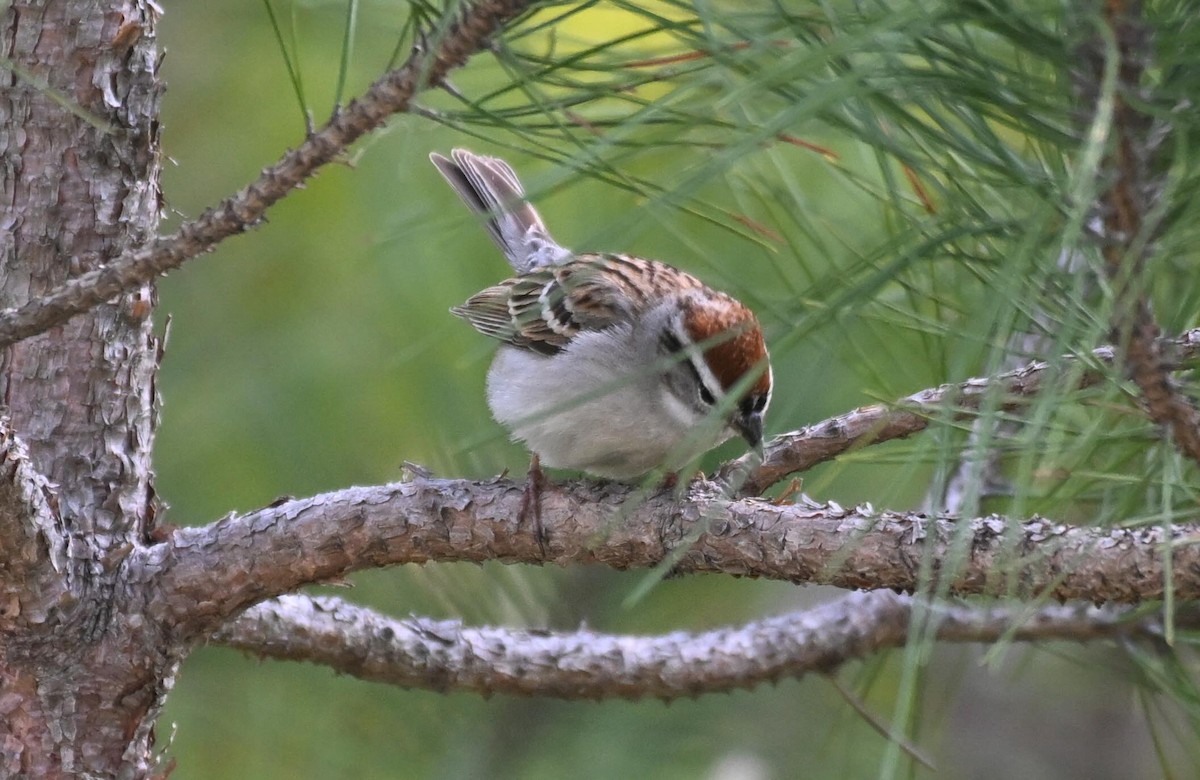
(390, 94)
(205, 575)
(801, 450)
(446, 656)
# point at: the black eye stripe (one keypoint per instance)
(672, 345)
(705, 394)
(753, 404)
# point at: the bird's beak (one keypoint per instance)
(750, 428)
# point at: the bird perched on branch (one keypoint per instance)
(610, 364)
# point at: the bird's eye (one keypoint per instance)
(706, 395)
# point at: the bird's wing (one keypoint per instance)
(543, 310)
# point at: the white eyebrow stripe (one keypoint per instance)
(696, 358)
(706, 375)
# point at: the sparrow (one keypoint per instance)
(608, 363)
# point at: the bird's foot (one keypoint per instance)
(531, 502)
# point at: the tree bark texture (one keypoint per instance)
(445, 655)
(79, 143)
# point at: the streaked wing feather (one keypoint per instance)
(488, 312)
(542, 310)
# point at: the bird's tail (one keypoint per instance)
(490, 187)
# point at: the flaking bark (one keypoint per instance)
(447, 656)
(212, 573)
(81, 396)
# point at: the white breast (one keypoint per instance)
(585, 409)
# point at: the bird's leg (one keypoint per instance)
(531, 502)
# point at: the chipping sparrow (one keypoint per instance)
(610, 364)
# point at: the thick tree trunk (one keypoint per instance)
(79, 680)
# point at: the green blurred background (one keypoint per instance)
(317, 352)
